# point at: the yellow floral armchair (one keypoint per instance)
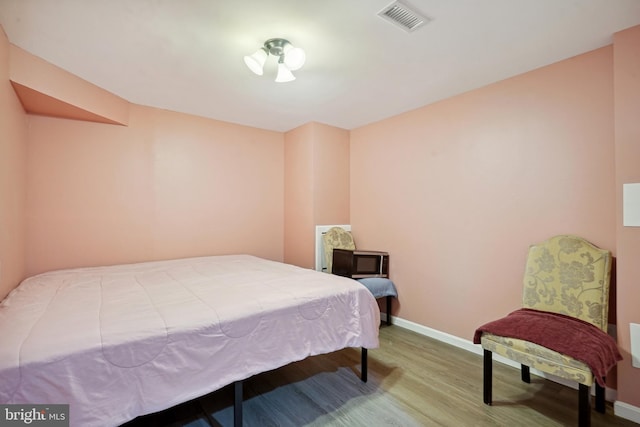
(566, 281)
(336, 238)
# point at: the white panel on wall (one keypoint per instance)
(631, 205)
(635, 344)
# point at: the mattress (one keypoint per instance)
(121, 341)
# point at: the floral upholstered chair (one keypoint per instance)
(339, 238)
(336, 238)
(561, 329)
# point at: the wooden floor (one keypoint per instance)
(413, 381)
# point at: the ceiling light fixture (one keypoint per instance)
(289, 59)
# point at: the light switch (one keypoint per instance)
(635, 344)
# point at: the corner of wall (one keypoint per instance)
(13, 159)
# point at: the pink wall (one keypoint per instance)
(168, 185)
(316, 187)
(627, 138)
(13, 161)
(457, 190)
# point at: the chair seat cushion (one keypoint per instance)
(379, 286)
(538, 357)
(561, 333)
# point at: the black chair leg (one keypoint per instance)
(487, 377)
(525, 374)
(600, 404)
(584, 406)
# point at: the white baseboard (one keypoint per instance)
(621, 409)
(626, 411)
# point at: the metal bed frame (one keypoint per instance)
(237, 389)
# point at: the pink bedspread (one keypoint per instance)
(563, 334)
(122, 341)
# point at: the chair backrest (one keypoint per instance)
(568, 275)
(336, 237)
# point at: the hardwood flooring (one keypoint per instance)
(413, 381)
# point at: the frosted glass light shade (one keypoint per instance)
(256, 61)
(284, 74)
(294, 58)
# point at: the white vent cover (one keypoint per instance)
(402, 16)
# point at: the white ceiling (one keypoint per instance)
(186, 55)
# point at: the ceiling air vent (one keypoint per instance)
(403, 17)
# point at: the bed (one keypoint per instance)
(121, 341)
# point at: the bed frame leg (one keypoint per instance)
(237, 404)
(364, 369)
